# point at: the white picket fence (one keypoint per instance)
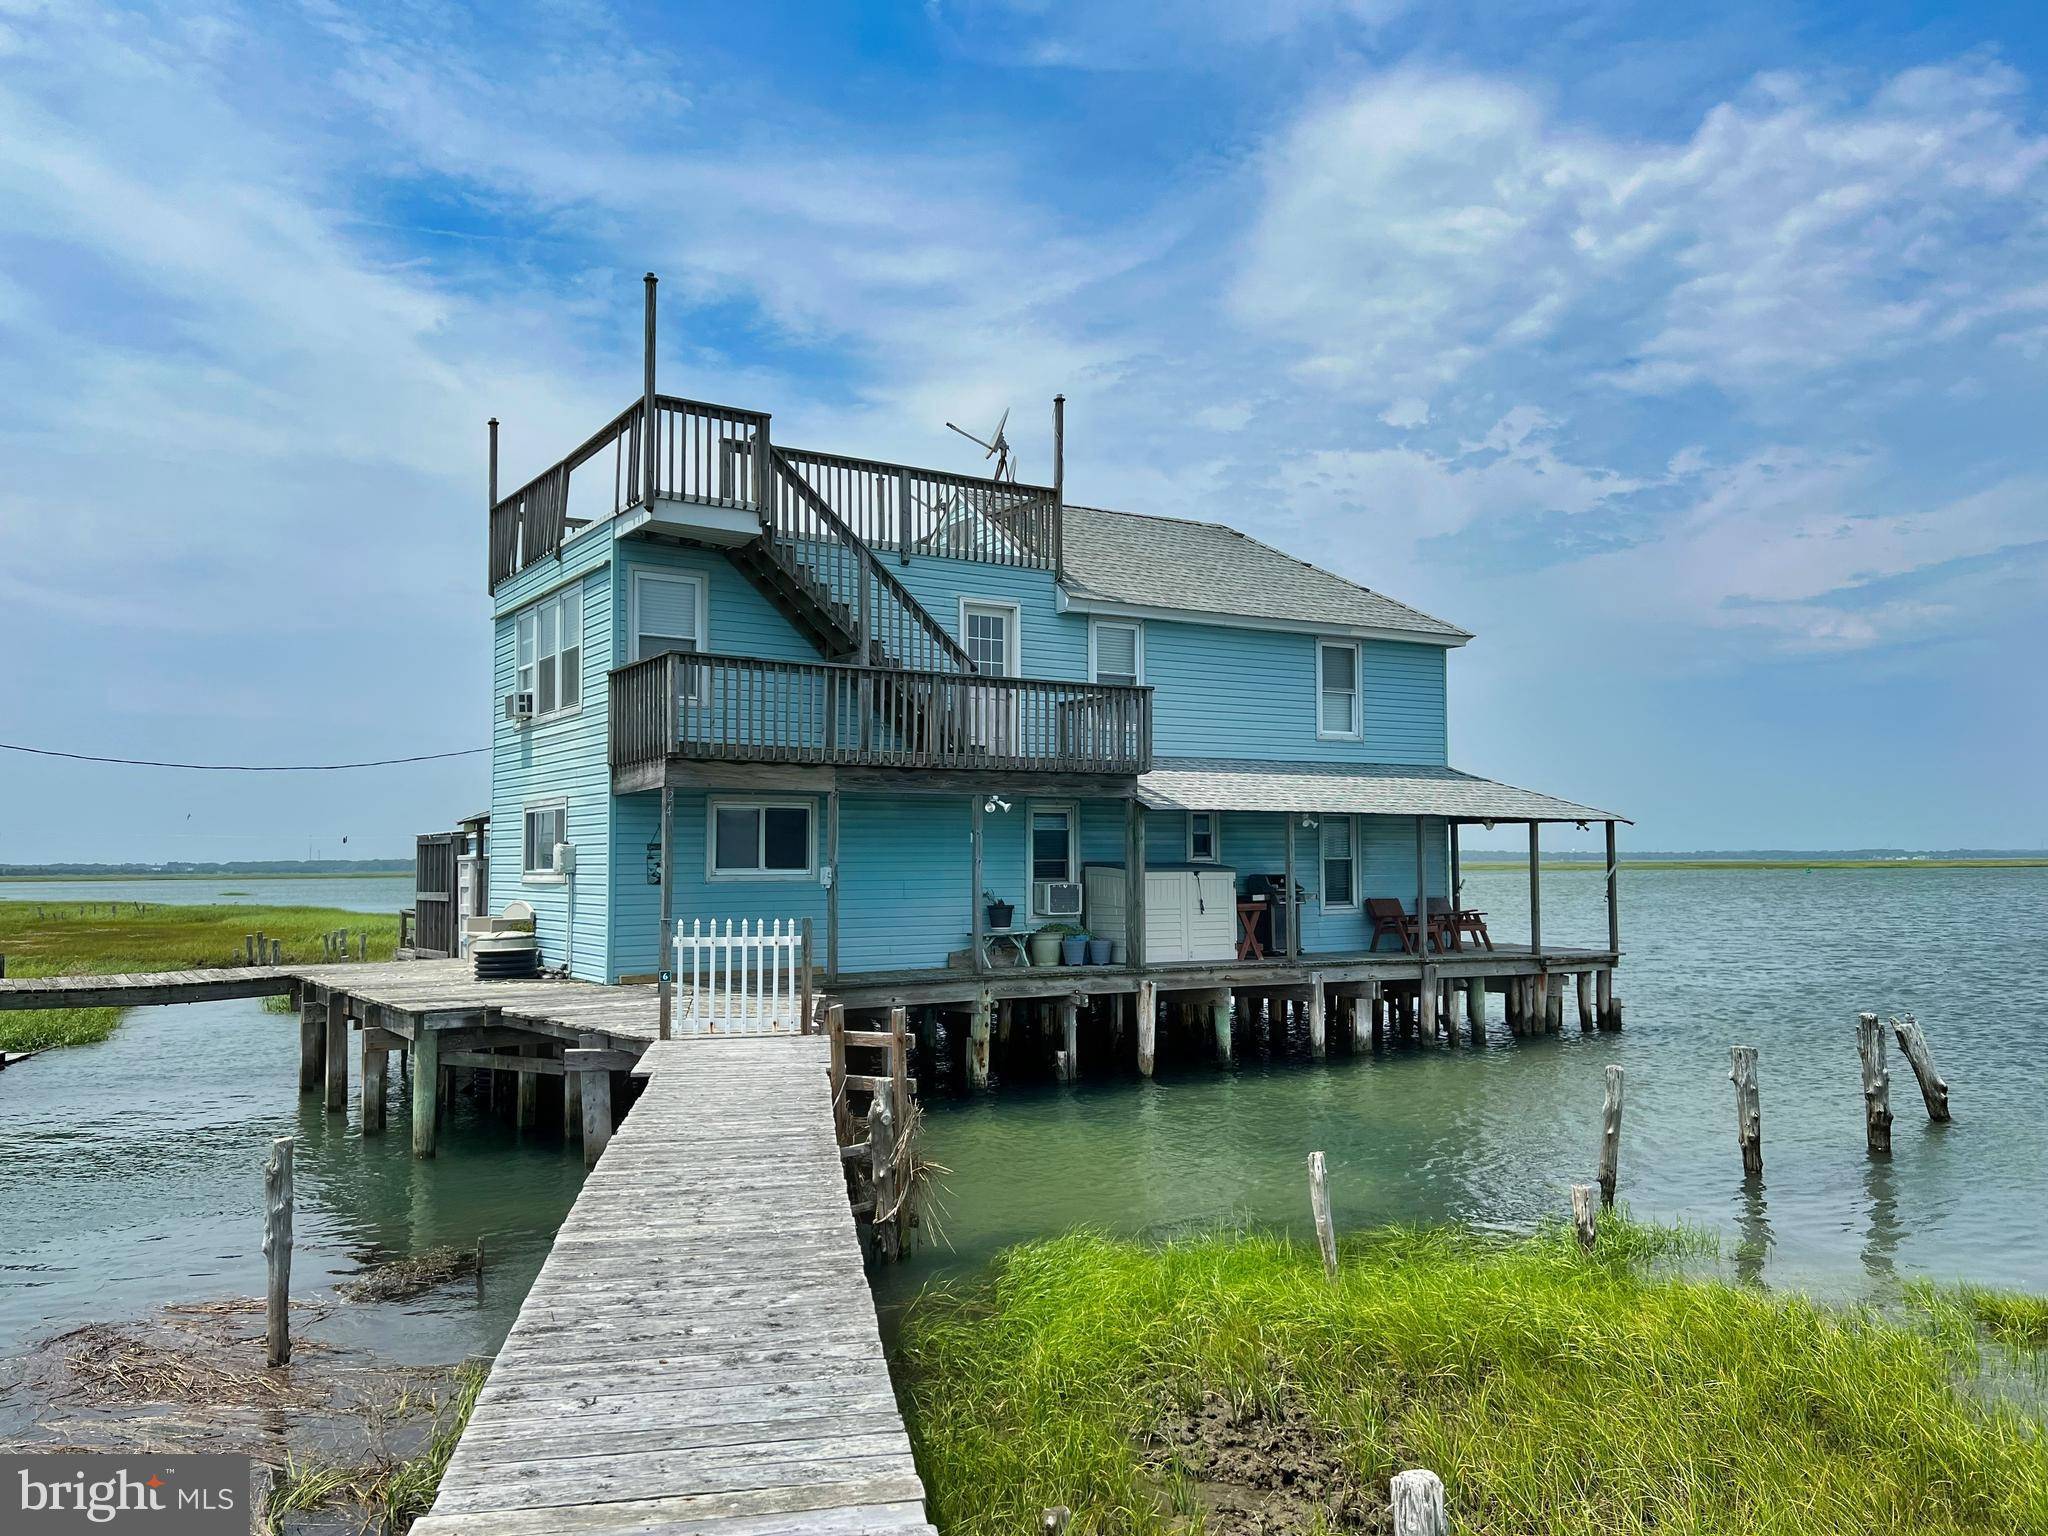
(743, 977)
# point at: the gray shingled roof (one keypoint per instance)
(1384, 789)
(1169, 562)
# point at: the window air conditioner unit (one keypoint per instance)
(518, 706)
(1057, 898)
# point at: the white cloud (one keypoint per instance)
(1423, 222)
(1407, 412)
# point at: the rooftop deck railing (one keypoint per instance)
(893, 507)
(752, 710)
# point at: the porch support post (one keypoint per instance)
(1293, 909)
(1457, 871)
(1134, 885)
(1613, 895)
(664, 949)
(832, 890)
(1535, 891)
(974, 864)
(1426, 994)
(426, 1088)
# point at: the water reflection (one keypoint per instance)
(1883, 1230)
(1753, 1228)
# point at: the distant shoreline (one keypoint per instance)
(397, 871)
(1492, 861)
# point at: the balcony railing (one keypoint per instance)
(750, 710)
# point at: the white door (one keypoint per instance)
(1212, 928)
(989, 634)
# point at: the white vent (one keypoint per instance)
(518, 706)
(1056, 898)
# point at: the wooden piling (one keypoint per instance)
(1070, 1038)
(1877, 1085)
(1913, 1044)
(1425, 1001)
(978, 1031)
(1553, 1003)
(1148, 1026)
(1475, 1008)
(1417, 1498)
(1610, 1137)
(1219, 1022)
(1319, 1205)
(1584, 981)
(312, 1042)
(883, 1163)
(1582, 1214)
(248, 949)
(1603, 999)
(595, 1069)
(526, 1108)
(1749, 1131)
(277, 1251)
(374, 1059)
(426, 1088)
(336, 1100)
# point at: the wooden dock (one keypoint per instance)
(699, 1352)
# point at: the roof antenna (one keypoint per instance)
(997, 446)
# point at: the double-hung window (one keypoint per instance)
(1055, 848)
(759, 840)
(1339, 837)
(550, 654)
(546, 825)
(668, 615)
(1205, 839)
(1116, 652)
(1337, 704)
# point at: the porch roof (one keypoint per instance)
(1378, 789)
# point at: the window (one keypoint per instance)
(550, 659)
(1205, 840)
(759, 840)
(546, 825)
(1337, 685)
(1339, 836)
(1116, 652)
(989, 632)
(1054, 852)
(668, 613)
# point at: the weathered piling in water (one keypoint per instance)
(1553, 1003)
(1587, 1018)
(336, 1101)
(1582, 1214)
(1749, 1133)
(1610, 1137)
(1877, 1084)
(595, 1068)
(312, 1042)
(1069, 1059)
(426, 1089)
(1933, 1087)
(1318, 1024)
(884, 1174)
(1148, 1026)
(1417, 1498)
(1475, 1009)
(375, 1047)
(1319, 1207)
(277, 1250)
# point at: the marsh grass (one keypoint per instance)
(385, 1497)
(1554, 1392)
(43, 938)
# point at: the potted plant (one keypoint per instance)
(1045, 944)
(1000, 913)
(1098, 950)
(1074, 947)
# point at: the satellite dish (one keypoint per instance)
(995, 446)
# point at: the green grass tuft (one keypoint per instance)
(69, 938)
(1554, 1392)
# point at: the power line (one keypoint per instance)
(143, 762)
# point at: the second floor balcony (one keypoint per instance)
(745, 709)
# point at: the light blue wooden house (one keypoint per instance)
(929, 715)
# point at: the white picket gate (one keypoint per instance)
(741, 978)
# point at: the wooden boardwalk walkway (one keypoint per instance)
(699, 1352)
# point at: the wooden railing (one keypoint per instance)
(928, 512)
(748, 709)
(814, 543)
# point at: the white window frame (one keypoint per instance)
(545, 875)
(1095, 628)
(1032, 809)
(1357, 733)
(700, 599)
(713, 804)
(1215, 853)
(995, 605)
(1350, 825)
(526, 641)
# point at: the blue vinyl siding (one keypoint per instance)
(1053, 644)
(565, 758)
(742, 621)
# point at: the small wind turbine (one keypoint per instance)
(998, 447)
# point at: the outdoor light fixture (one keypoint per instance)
(997, 803)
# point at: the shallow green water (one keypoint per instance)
(1496, 1134)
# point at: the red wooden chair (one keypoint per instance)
(1448, 924)
(1389, 916)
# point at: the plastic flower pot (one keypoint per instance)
(1074, 950)
(1045, 948)
(1000, 915)
(1098, 951)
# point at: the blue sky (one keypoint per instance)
(1694, 361)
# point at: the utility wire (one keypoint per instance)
(143, 762)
